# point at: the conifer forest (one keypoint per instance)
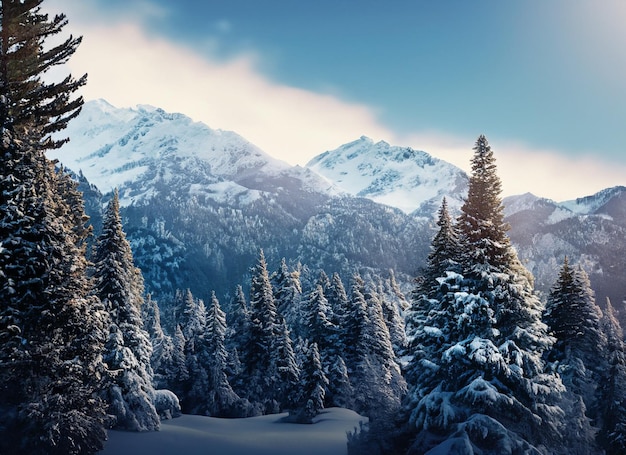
(469, 359)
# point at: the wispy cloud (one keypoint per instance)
(129, 66)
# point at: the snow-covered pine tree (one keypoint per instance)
(355, 325)
(177, 378)
(238, 340)
(119, 285)
(484, 387)
(393, 317)
(32, 106)
(444, 252)
(193, 398)
(162, 359)
(384, 382)
(580, 350)
(318, 326)
(338, 300)
(287, 295)
(612, 435)
(285, 368)
(312, 386)
(221, 398)
(339, 391)
(444, 255)
(51, 329)
(263, 328)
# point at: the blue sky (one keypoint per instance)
(544, 80)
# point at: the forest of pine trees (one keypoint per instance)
(475, 364)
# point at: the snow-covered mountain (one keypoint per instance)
(590, 231)
(198, 204)
(117, 148)
(401, 177)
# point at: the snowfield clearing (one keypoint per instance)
(195, 435)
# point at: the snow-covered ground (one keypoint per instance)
(265, 435)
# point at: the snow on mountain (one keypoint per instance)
(591, 204)
(410, 180)
(115, 147)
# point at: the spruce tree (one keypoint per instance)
(238, 341)
(162, 359)
(444, 257)
(287, 295)
(221, 398)
(483, 385)
(195, 389)
(579, 353)
(119, 285)
(31, 107)
(285, 368)
(612, 393)
(51, 329)
(264, 324)
(312, 387)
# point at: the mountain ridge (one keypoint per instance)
(199, 203)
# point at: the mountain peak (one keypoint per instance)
(401, 177)
(113, 146)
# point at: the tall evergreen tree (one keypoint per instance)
(285, 368)
(612, 435)
(579, 353)
(220, 397)
(51, 330)
(238, 341)
(312, 387)
(287, 295)
(162, 359)
(195, 389)
(264, 325)
(119, 285)
(484, 386)
(444, 257)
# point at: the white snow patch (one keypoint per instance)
(265, 435)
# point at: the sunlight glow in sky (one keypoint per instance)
(544, 81)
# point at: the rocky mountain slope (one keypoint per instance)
(199, 203)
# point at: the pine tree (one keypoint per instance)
(393, 318)
(318, 326)
(220, 397)
(119, 285)
(264, 326)
(178, 375)
(195, 389)
(51, 329)
(238, 341)
(338, 300)
(444, 251)
(355, 324)
(162, 359)
(313, 383)
(383, 386)
(285, 368)
(483, 384)
(579, 353)
(444, 257)
(612, 435)
(287, 295)
(32, 107)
